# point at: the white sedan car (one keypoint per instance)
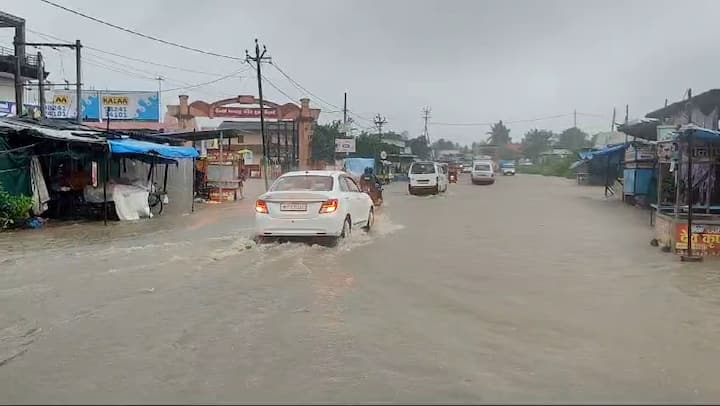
(313, 204)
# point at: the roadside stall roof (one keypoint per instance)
(127, 146)
(53, 130)
(699, 134)
(645, 128)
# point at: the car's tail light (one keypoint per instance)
(330, 206)
(261, 207)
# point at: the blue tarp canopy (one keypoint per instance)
(699, 134)
(126, 146)
(607, 151)
(615, 149)
(356, 166)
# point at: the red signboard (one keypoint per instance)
(705, 239)
(243, 112)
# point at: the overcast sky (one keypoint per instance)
(471, 61)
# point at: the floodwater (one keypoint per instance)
(530, 290)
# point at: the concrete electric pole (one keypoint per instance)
(258, 59)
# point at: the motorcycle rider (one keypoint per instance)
(373, 182)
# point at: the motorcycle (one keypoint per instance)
(374, 190)
(452, 177)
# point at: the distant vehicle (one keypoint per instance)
(482, 173)
(467, 167)
(326, 204)
(427, 176)
(507, 168)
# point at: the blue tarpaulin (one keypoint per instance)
(128, 146)
(356, 166)
(699, 134)
(616, 149)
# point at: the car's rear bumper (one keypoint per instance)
(325, 225)
(485, 181)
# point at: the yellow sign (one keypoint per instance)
(61, 99)
(116, 100)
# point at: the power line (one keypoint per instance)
(237, 72)
(130, 58)
(303, 88)
(506, 122)
(139, 34)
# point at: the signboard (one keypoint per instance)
(62, 105)
(666, 132)
(7, 108)
(99, 105)
(140, 106)
(345, 145)
(705, 239)
(243, 112)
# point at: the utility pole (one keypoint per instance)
(160, 79)
(379, 123)
(41, 84)
(258, 58)
(78, 81)
(689, 257)
(574, 118)
(78, 71)
(612, 124)
(19, 56)
(345, 110)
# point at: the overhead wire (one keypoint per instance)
(139, 34)
(130, 58)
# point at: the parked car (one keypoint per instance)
(326, 204)
(482, 173)
(427, 177)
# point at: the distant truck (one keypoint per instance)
(507, 167)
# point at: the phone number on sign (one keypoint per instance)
(117, 113)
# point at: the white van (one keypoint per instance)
(482, 172)
(428, 177)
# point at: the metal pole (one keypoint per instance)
(78, 81)
(19, 54)
(689, 191)
(41, 84)
(105, 182)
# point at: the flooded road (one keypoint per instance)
(530, 290)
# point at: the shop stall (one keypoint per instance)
(687, 215)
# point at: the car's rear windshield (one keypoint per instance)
(482, 167)
(418, 169)
(316, 183)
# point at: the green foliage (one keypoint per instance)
(556, 167)
(13, 209)
(322, 143)
(443, 144)
(537, 141)
(573, 139)
(369, 145)
(419, 147)
(499, 134)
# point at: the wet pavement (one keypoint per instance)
(530, 290)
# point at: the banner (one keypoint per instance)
(99, 105)
(140, 106)
(62, 105)
(345, 145)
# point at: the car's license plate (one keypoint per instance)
(293, 207)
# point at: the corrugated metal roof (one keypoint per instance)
(70, 133)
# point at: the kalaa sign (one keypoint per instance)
(243, 112)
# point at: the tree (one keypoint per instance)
(419, 147)
(536, 141)
(368, 145)
(442, 144)
(322, 143)
(499, 134)
(573, 139)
